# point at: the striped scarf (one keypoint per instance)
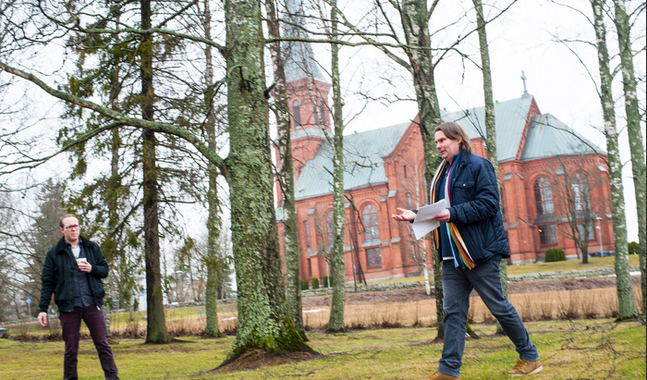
(459, 250)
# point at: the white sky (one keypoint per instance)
(525, 39)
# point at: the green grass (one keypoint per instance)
(558, 266)
(582, 349)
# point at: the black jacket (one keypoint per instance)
(57, 275)
(475, 209)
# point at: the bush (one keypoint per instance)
(305, 285)
(315, 283)
(634, 248)
(326, 281)
(555, 254)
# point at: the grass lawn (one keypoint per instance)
(581, 349)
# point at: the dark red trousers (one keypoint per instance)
(71, 324)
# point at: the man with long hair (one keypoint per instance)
(471, 242)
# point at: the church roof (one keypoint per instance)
(363, 153)
(549, 137)
(510, 119)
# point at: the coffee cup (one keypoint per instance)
(81, 260)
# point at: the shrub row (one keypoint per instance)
(325, 281)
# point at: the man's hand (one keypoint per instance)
(42, 318)
(405, 215)
(85, 266)
(443, 216)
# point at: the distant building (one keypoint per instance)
(539, 156)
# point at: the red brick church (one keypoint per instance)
(538, 156)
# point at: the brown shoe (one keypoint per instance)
(441, 376)
(524, 367)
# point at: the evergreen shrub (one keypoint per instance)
(315, 283)
(326, 281)
(555, 254)
(305, 285)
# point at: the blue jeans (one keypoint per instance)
(457, 286)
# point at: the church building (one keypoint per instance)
(544, 166)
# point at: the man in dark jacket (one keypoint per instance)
(73, 271)
(471, 242)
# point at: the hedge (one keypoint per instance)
(555, 254)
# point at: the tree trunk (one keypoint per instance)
(635, 133)
(337, 261)
(263, 320)
(156, 324)
(214, 224)
(286, 174)
(626, 303)
(490, 125)
(415, 22)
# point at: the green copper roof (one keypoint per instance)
(363, 154)
(510, 119)
(548, 137)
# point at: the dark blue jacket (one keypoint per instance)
(475, 209)
(57, 275)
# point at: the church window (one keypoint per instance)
(306, 228)
(322, 110)
(296, 113)
(369, 217)
(580, 228)
(544, 197)
(330, 228)
(373, 257)
(548, 234)
(580, 185)
(409, 200)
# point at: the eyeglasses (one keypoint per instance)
(72, 227)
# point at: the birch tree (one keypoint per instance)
(490, 124)
(286, 174)
(633, 116)
(338, 266)
(626, 303)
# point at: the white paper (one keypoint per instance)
(424, 224)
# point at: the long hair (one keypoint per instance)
(454, 131)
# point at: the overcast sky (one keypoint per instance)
(524, 39)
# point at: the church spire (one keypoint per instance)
(299, 57)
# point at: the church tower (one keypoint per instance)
(307, 90)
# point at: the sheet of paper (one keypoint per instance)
(424, 224)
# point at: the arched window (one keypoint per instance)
(330, 228)
(369, 217)
(409, 200)
(581, 192)
(322, 110)
(306, 228)
(296, 113)
(544, 197)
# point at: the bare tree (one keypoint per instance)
(627, 305)
(634, 119)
